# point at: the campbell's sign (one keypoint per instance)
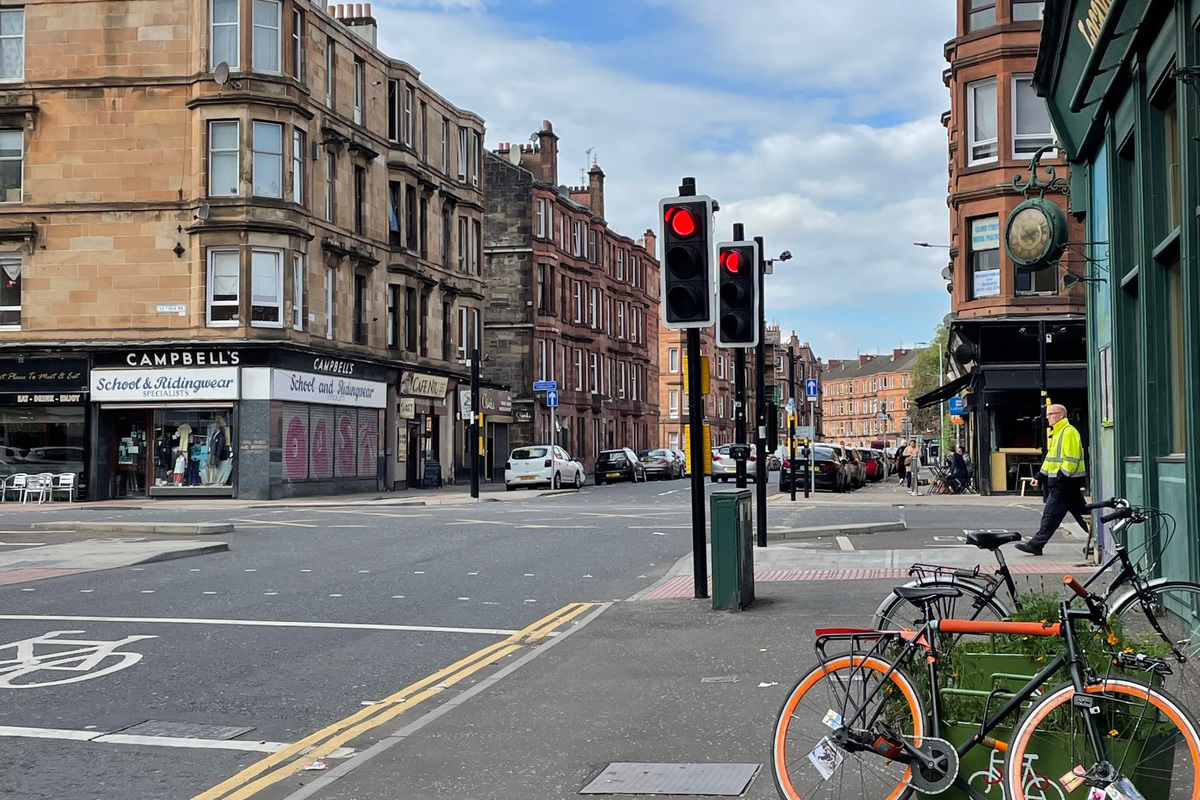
(308, 387)
(183, 358)
(219, 383)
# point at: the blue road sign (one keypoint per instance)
(552, 398)
(956, 405)
(810, 387)
(542, 386)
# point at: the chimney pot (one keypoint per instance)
(358, 10)
(332, 11)
(367, 9)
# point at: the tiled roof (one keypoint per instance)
(876, 365)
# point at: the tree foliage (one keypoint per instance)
(924, 380)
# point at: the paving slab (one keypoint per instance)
(55, 560)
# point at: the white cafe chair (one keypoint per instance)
(15, 484)
(66, 485)
(39, 484)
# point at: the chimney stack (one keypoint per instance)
(596, 190)
(863, 358)
(548, 156)
(357, 17)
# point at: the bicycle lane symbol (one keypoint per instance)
(47, 660)
(1037, 785)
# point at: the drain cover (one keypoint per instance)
(633, 777)
(184, 730)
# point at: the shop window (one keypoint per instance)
(42, 439)
(267, 46)
(982, 130)
(190, 449)
(223, 36)
(1027, 10)
(984, 258)
(267, 159)
(321, 442)
(10, 293)
(346, 443)
(980, 14)
(224, 287)
(266, 288)
(1030, 119)
(223, 158)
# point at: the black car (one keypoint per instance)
(618, 465)
(828, 470)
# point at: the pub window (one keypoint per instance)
(984, 259)
(982, 135)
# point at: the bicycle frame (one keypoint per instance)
(923, 639)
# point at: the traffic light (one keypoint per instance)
(687, 284)
(738, 302)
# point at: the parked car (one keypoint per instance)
(872, 464)
(683, 465)
(542, 465)
(660, 464)
(855, 469)
(621, 464)
(724, 467)
(829, 470)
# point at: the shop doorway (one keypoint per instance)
(128, 456)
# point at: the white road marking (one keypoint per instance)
(664, 494)
(291, 524)
(659, 527)
(478, 522)
(844, 543)
(13, 731)
(264, 623)
(347, 526)
(20, 544)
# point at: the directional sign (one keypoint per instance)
(810, 387)
(956, 405)
(552, 398)
(542, 386)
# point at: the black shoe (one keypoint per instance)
(1025, 547)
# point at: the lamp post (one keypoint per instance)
(941, 382)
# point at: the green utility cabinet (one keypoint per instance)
(732, 549)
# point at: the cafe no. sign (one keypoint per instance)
(149, 385)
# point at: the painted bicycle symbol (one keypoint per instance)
(1037, 785)
(47, 660)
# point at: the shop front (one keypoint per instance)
(423, 459)
(44, 416)
(495, 409)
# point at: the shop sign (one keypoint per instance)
(165, 384)
(308, 387)
(421, 385)
(49, 380)
(987, 283)
(328, 365)
(401, 442)
(406, 407)
(22, 399)
(209, 357)
(524, 416)
(1092, 20)
(494, 401)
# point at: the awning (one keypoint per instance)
(943, 392)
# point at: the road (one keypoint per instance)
(318, 613)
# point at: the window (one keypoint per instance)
(298, 166)
(424, 230)
(360, 180)
(10, 292)
(1031, 120)
(330, 179)
(621, 386)
(360, 89)
(673, 359)
(474, 158)
(223, 38)
(267, 159)
(541, 218)
(408, 115)
(633, 379)
(445, 146)
(410, 319)
(1043, 281)
(360, 309)
(594, 386)
(267, 43)
(410, 216)
(423, 133)
(223, 287)
(330, 277)
(621, 321)
(620, 265)
(578, 302)
(462, 244)
(462, 155)
(393, 317)
(578, 370)
(1027, 10)
(446, 227)
(982, 136)
(393, 109)
(576, 238)
(423, 326)
(266, 288)
(476, 246)
(330, 82)
(223, 158)
(673, 404)
(12, 163)
(984, 258)
(980, 14)
(298, 291)
(591, 252)
(476, 329)
(298, 45)
(1176, 366)
(464, 335)
(394, 203)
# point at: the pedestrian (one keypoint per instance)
(957, 475)
(901, 472)
(1062, 477)
(912, 462)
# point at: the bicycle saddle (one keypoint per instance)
(986, 540)
(918, 594)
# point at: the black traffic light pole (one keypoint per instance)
(739, 387)
(760, 400)
(791, 421)
(473, 431)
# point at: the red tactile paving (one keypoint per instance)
(21, 575)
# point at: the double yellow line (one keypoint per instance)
(320, 744)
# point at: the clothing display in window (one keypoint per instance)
(193, 448)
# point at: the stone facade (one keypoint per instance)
(570, 300)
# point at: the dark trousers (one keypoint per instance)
(1061, 498)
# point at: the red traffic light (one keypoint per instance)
(681, 221)
(731, 261)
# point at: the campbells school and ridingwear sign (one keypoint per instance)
(308, 387)
(147, 385)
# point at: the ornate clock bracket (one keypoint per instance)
(1032, 185)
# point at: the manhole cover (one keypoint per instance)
(633, 777)
(184, 730)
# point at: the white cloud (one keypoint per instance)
(780, 142)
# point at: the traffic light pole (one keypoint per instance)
(695, 389)
(760, 401)
(792, 421)
(473, 434)
(739, 388)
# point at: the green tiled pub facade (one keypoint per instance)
(1122, 80)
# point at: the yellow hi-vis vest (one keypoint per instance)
(1064, 456)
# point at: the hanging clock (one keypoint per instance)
(1036, 234)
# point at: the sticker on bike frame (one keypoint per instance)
(832, 719)
(1073, 779)
(1123, 789)
(826, 758)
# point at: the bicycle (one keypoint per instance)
(856, 724)
(1161, 607)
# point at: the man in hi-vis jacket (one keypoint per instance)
(1062, 476)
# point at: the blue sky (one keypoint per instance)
(814, 124)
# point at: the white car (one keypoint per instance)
(724, 467)
(542, 465)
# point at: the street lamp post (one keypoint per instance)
(941, 404)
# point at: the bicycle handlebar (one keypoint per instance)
(1111, 502)
(1120, 513)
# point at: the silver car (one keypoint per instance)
(724, 467)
